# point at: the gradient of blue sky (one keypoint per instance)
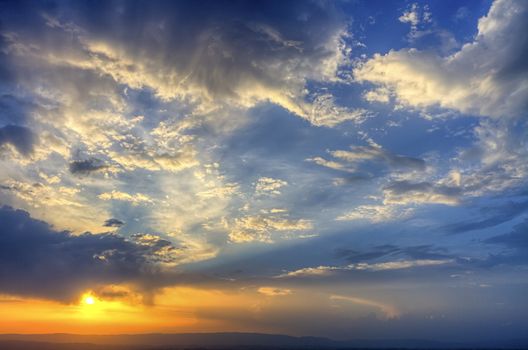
(360, 165)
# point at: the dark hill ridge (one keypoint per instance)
(221, 341)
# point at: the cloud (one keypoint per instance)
(36, 260)
(113, 223)
(411, 253)
(367, 158)
(126, 197)
(231, 54)
(86, 166)
(267, 186)
(517, 243)
(376, 213)
(13, 109)
(415, 16)
(260, 228)
(491, 216)
(329, 164)
(406, 192)
(324, 111)
(397, 265)
(311, 271)
(485, 77)
(133, 156)
(18, 136)
(380, 266)
(498, 154)
(224, 191)
(388, 310)
(375, 152)
(517, 239)
(274, 291)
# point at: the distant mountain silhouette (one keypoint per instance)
(220, 341)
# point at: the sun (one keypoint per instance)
(89, 300)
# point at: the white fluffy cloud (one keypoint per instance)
(486, 77)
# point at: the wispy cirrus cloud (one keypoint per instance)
(389, 311)
(381, 266)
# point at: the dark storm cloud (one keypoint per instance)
(19, 136)
(113, 223)
(36, 260)
(86, 166)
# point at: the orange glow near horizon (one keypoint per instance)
(121, 310)
(89, 315)
(174, 310)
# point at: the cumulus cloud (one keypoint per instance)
(499, 154)
(486, 77)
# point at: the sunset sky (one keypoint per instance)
(350, 169)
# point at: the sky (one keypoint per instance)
(350, 169)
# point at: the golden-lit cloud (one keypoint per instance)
(274, 291)
(263, 167)
(322, 271)
(269, 186)
(123, 196)
(261, 228)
